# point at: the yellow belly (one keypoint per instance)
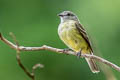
(72, 38)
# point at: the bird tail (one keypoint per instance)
(92, 65)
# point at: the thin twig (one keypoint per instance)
(35, 67)
(45, 47)
(31, 75)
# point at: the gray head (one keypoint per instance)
(67, 15)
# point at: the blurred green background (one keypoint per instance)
(35, 22)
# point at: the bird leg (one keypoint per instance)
(79, 54)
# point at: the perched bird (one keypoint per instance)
(72, 33)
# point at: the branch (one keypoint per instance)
(30, 74)
(62, 51)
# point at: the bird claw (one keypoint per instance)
(79, 54)
(66, 50)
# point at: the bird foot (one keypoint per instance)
(66, 50)
(79, 54)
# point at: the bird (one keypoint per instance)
(73, 34)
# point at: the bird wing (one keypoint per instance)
(83, 33)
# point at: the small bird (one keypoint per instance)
(72, 33)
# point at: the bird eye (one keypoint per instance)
(69, 14)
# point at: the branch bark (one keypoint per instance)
(16, 47)
(57, 50)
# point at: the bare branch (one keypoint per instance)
(45, 47)
(35, 67)
(31, 75)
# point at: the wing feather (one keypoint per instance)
(83, 33)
